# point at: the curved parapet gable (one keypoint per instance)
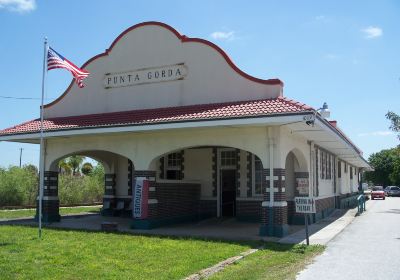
(151, 65)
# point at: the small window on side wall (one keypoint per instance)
(257, 176)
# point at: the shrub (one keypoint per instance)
(18, 186)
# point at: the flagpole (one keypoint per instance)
(41, 161)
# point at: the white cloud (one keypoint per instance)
(220, 35)
(376, 133)
(372, 32)
(20, 6)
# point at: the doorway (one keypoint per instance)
(228, 192)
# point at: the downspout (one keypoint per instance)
(271, 183)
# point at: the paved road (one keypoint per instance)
(369, 248)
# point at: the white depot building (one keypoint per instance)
(183, 134)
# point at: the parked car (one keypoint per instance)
(377, 192)
(392, 191)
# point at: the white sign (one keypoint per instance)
(305, 204)
(140, 198)
(145, 76)
(302, 186)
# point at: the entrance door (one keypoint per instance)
(228, 193)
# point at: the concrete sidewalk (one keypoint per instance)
(324, 230)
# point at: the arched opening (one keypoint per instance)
(92, 177)
(219, 181)
(296, 182)
(291, 166)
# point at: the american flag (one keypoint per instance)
(56, 60)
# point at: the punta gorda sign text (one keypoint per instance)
(145, 76)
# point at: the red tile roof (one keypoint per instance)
(216, 111)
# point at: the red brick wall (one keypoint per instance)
(248, 209)
(325, 203)
(174, 200)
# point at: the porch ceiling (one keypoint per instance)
(331, 139)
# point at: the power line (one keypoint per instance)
(22, 98)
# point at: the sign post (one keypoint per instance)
(305, 205)
(306, 223)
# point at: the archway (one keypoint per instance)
(296, 182)
(229, 181)
(110, 183)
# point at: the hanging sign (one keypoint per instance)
(305, 204)
(140, 198)
(145, 76)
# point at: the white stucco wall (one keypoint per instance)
(121, 176)
(198, 167)
(144, 148)
(347, 185)
(210, 79)
(292, 142)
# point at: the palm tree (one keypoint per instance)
(75, 163)
(71, 165)
(63, 167)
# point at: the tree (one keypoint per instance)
(395, 119)
(63, 167)
(31, 188)
(87, 168)
(387, 166)
(18, 186)
(75, 163)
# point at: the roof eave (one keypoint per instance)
(274, 119)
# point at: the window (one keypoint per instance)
(345, 167)
(339, 169)
(351, 173)
(329, 167)
(173, 166)
(228, 158)
(322, 165)
(258, 176)
(316, 167)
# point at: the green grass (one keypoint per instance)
(277, 261)
(63, 254)
(27, 213)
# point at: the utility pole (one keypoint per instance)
(20, 157)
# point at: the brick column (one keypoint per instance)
(50, 202)
(274, 217)
(109, 192)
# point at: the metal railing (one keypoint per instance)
(360, 204)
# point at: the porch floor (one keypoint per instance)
(214, 228)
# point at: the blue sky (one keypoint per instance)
(345, 53)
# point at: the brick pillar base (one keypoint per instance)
(274, 217)
(50, 202)
(109, 194)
